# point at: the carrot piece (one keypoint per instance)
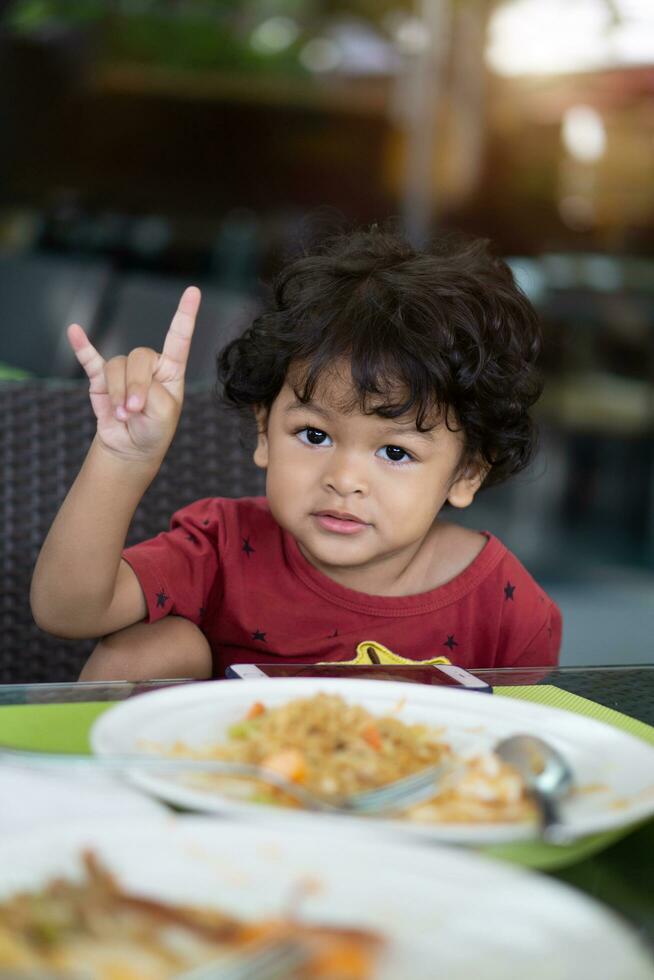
(371, 735)
(343, 959)
(289, 763)
(255, 710)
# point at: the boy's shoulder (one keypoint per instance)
(482, 559)
(523, 612)
(513, 574)
(506, 602)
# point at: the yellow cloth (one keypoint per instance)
(382, 655)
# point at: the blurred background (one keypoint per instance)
(147, 144)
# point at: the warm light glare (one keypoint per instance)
(549, 36)
(583, 133)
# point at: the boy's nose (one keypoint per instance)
(344, 476)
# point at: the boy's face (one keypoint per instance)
(359, 493)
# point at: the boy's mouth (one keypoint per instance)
(339, 522)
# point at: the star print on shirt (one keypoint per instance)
(450, 642)
(162, 599)
(508, 591)
(332, 635)
(247, 547)
(258, 635)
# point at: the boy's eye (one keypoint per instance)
(312, 437)
(395, 454)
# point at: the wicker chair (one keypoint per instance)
(46, 430)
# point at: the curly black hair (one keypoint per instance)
(445, 327)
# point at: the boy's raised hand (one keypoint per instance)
(137, 399)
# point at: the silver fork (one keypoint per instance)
(275, 960)
(398, 795)
(278, 959)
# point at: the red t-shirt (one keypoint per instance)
(227, 566)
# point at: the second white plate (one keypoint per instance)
(443, 912)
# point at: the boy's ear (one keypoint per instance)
(467, 483)
(261, 450)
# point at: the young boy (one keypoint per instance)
(386, 382)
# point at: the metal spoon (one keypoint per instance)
(547, 776)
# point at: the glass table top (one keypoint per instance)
(628, 689)
(617, 876)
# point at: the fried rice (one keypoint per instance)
(334, 749)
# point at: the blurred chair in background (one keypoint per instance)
(46, 431)
(41, 294)
(140, 307)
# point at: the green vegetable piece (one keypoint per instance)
(240, 729)
(45, 933)
(261, 796)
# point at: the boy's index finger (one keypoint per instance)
(178, 339)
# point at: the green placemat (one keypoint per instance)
(554, 697)
(56, 727)
(65, 728)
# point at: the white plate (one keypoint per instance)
(616, 768)
(445, 913)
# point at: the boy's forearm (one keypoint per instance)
(75, 575)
